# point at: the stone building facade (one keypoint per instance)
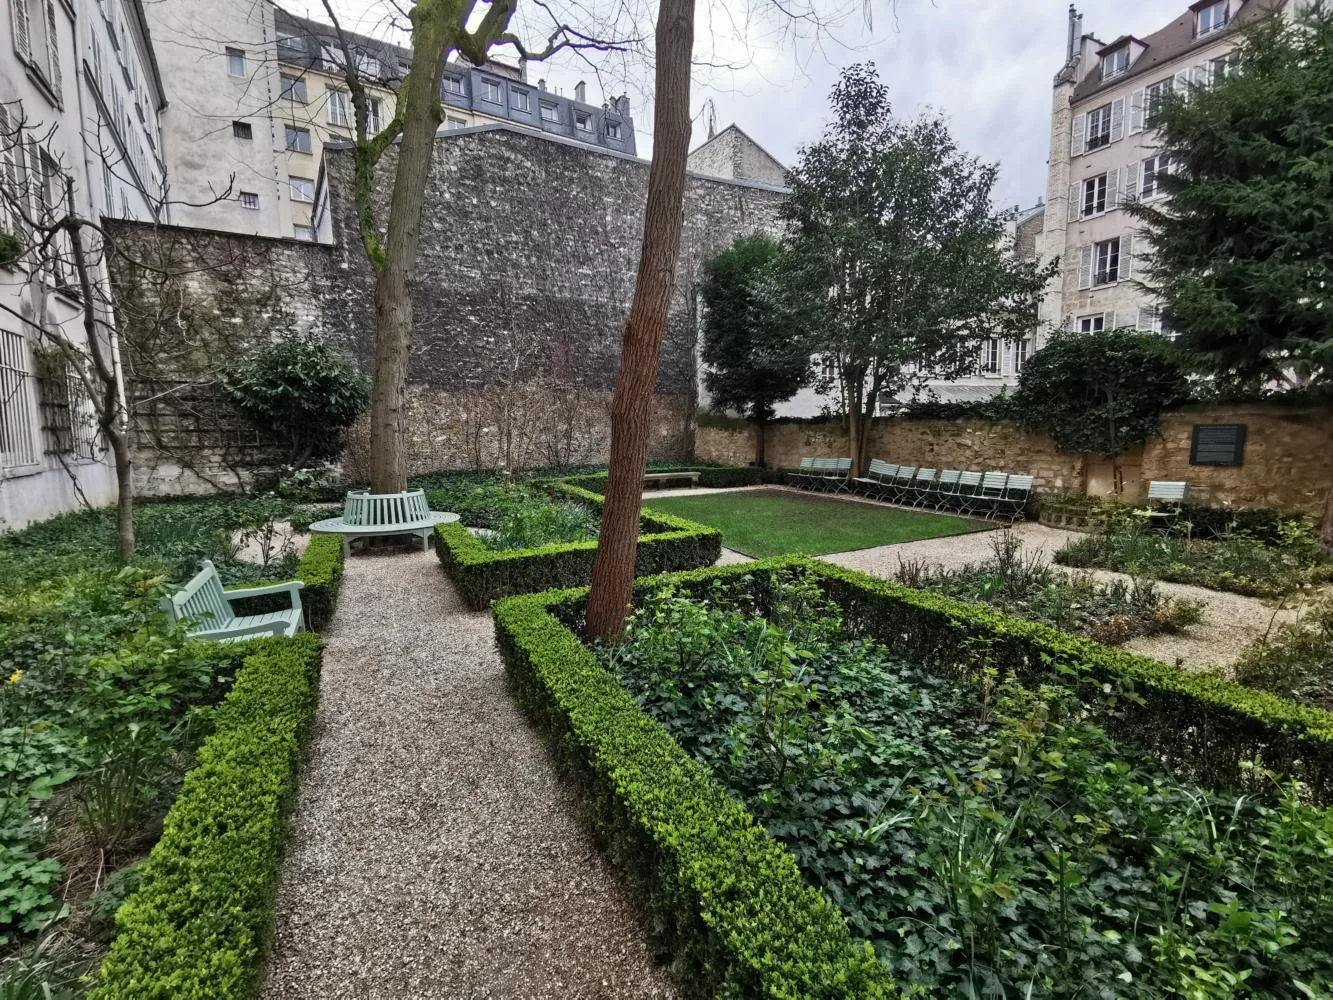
(733, 155)
(529, 250)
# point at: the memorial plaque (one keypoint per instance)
(1217, 444)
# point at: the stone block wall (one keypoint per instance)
(1288, 459)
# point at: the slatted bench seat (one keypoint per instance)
(206, 609)
(376, 515)
(974, 494)
(1164, 500)
(877, 481)
(660, 479)
(822, 474)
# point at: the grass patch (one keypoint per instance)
(771, 522)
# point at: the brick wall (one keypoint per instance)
(1288, 460)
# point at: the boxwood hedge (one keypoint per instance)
(197, 927)
(666, 543)
(727, 899)
(321, 570)
(712, 476)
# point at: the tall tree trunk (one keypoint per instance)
(858, 423)
(613, 565)
(432, 30)
(759, 443)
(120, 450)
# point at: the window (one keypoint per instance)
(490, 91)
(550, 113)
(332, 55)
(293, 88)
(1222, 67)
(828, 369)
(1094, 195)
(453, 85)
(1153, 98)
(990, 356)
(302, 188)
(1115, 63)
(1106, 262)
(236, 62)
(1154, 168)
(1095, 323)
(452, 123)
(613, 130)
(1150, 319)
(249, 199)
(1099, 127)
(583, 121)
(17, 446)
(303, 232)
(242, 130)
(298, 139)
(1021, 350)
(522, 100)
(1212, 17)
(337, 107)
(375, 117)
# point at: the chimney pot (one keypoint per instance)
(541, 84)
(581, 92)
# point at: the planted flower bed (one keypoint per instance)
(525, 544)
(103, 710)
(997, 807)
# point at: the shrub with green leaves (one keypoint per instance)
(303, 390)
(1296, 660)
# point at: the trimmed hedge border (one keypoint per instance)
(728, 899)
(198, 926)
(711, 476)
(668, 543)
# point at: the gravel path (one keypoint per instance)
(434, 852)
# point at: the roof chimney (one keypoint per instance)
(1075, 32)
(622, 104)
(581, 92)
(541, 84)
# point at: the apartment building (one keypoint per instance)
(1104, 154)
(80, 99)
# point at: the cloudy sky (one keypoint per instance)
(986, 64)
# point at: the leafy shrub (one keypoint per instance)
(1237, 562)
(196, 927)
(1296, 661)
(11, 249)
(986, 837)
(1025, 585)
(482, 575)
(301, 389)
(541, 522)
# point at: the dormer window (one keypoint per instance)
(1212, 17)
(1115, 63)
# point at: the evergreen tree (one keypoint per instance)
(1244, 246)
(750, 363)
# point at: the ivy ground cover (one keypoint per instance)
(763, 523)
(985, 835)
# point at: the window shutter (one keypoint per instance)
(1085, 266)
(53, 50)
(1130, 179)
(1145, 319)
(1126, 257)
(1108, 320)
(1073, 202)
(1117, 118)
(1112, 188)
(1182, 82)
(1075, 146)
(1136, 112)
(18, 13)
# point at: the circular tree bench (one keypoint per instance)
(376, 515)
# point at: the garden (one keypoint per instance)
(119, 733)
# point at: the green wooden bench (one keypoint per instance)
(207, 610)
(375, 515)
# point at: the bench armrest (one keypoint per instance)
(237, 631)
(272, 588)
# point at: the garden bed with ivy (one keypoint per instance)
(525, 535)
(107, 712)
(998, 808)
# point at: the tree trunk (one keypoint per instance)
(613, 565)
(858, 424)
(120, 449)
(431, 31)
(759, 443)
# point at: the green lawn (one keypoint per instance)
(763, 523)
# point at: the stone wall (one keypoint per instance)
(529, 250)
(1288, 459)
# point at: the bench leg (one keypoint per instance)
(347, 547)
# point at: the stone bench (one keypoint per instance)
(660, 479)
(378, 515)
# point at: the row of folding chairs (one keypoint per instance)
(973, 494)
(822, 474)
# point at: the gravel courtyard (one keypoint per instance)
(434, 852)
